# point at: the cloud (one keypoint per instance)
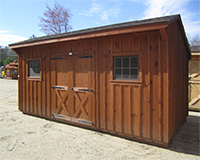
(95, 9)
(102, 10)
(157, 8)
(7, 38)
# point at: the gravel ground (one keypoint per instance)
(26, 137)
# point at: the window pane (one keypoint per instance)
(34, 68)
(134, 62)
(125, 62)
(38, 64)
(118, 73)
(31, 72)
(118, 62)
(125, 73)
(134, 73)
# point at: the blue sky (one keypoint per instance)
(19, 19)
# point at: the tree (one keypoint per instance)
(7, 61)
(55, 20)
(195, 41)
(32, 37)
(6, 52)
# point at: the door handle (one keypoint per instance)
(72, 89)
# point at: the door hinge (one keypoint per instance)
(57, 115)
(55, 87)
(87, 122)
(85, 56)
(87, 90)
(57, 58)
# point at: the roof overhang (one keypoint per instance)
(133, 29)
(155, 24)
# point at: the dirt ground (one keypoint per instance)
(27, 137)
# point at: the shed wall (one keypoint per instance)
(135, 109)
(178, 79)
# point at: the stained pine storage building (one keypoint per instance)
(127, 79)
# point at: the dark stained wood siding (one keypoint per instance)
(149, 109)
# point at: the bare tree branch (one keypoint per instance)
(55, 20)
(195, 41)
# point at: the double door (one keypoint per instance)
(72, 82)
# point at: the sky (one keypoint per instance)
(19, 19)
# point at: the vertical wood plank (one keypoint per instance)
(53, 83)
(165, 94)
(31, 85)
(134, 43)
(102, 107)
(48, 80)
(136, 110)
(97, 87)
(34, 84)
(90, 85)
(118, 108)
(154, 85)
(93, 46)
(130, 110)
(126, 109)
(149, 122)
(116, 45)
(43, 69)
(122, 108)
(23, 84)
(71, 73)
(27, 87)
(159, 90)
(35, 98)
(145, 112)
(110, 108)
(20, 84)
(125, 44)
(104, 88)
(31, 97)
(39, 95)
(93, 82)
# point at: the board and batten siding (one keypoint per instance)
(178, 78)
(145, 110)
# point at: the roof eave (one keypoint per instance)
(131, 29)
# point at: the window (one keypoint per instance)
(34, 68)
(15, 72)
(126, 68)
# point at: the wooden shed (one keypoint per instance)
(128, 79)
(194, 79)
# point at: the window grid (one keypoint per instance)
(34, 68)
(122, 68)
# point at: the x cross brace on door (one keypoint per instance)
(61, 103)
(80, 106)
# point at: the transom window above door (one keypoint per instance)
(126, 68)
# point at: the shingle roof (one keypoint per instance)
(165, 19)
(195, 48)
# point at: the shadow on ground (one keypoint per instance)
(187, 139)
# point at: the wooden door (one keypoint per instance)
(194, 84)
(73, 88)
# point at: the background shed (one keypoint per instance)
(11, 71)
(194, 79)
(127, 79)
